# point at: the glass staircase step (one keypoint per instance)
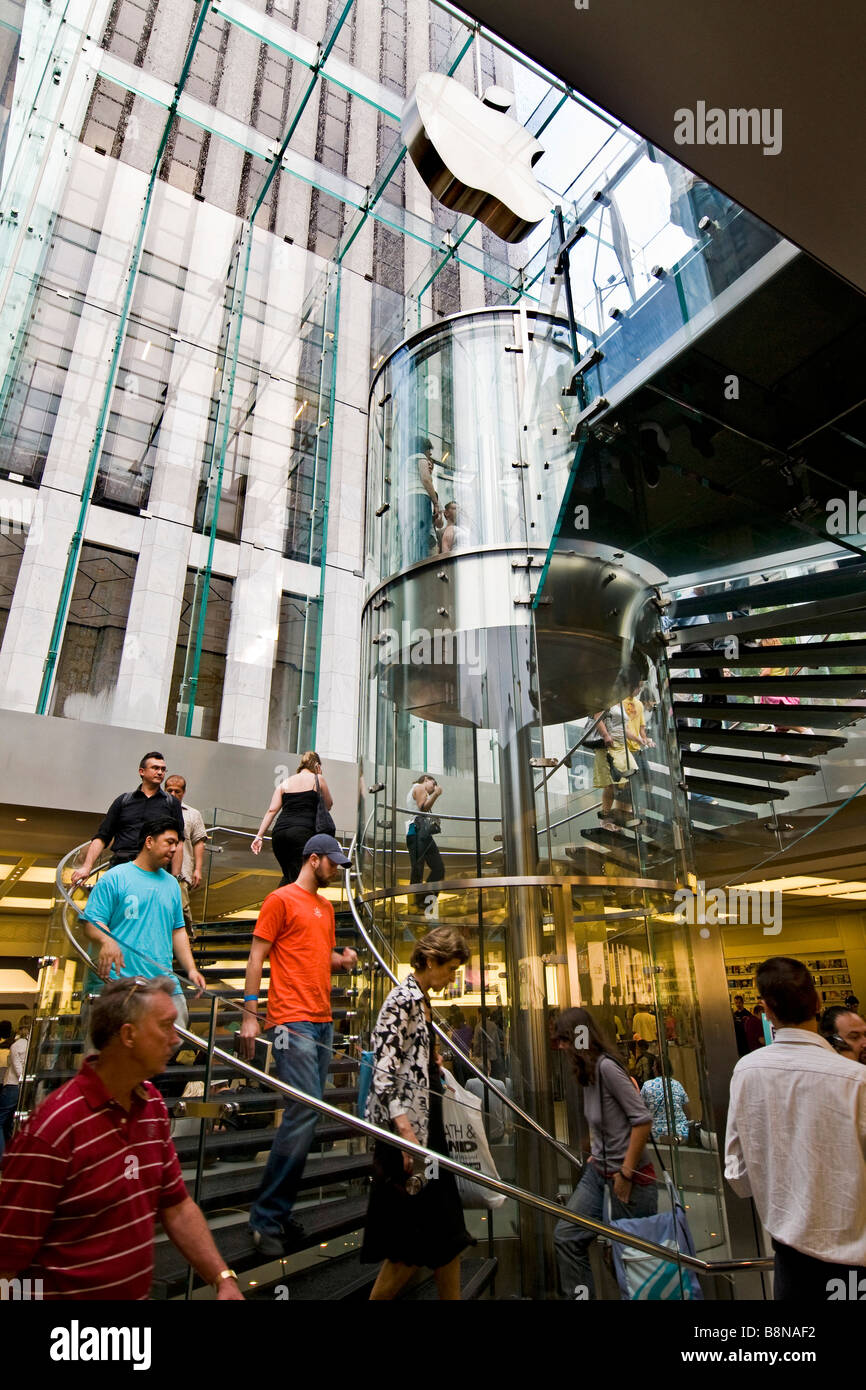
(824, 687)
(730, 790)
(226, 1187)
(760, 769)
(244, 1143)
(812, 716)
(769, 741)
(827, 616)
(808, 654)
(851, 579)
(322, 1223)
(475, 1276)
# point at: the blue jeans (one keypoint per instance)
(8, 1106)
(417, 537)
(303, 1063)
(572, 1242)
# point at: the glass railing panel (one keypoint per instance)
(636, 982)
(235, 882)
(678, 1095)
(242, 1116)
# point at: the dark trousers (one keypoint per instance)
(8, 1106)
(288, 847)
(423, 849)
(800, 1278)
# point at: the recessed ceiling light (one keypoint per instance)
(21, 819)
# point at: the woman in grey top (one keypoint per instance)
(619, 1124)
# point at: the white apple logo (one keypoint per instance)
(473, 157)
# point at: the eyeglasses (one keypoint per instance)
(139, 982)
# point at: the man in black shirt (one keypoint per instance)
(741, 1013)
(126, 816)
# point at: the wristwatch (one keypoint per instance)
(224, 1274)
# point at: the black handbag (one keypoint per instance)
(325, 824)
(426, 825)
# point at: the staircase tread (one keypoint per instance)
(250, 1099)
(835, 686)
(731, 790)
(848, 579)
(255, 1140)
(332, 1279)
(475, 1274)
(809, 654)
(757, 768)
(826, 716)
(237, 1186)
(819, 619)
(620, 839)
(320, 1223)
(768, 741)
(185, 1074)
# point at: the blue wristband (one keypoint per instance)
(248, 997)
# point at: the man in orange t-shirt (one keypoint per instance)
(295, 930)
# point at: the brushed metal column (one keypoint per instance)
(530, 1053)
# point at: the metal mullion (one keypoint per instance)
(332, 401)
(523, 61)
(318, 599)
(251, 24)
(77, 540)
(189, 682)
(239, 291)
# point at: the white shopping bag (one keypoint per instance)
(467, 1143)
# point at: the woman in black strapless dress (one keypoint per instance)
(294, 803)
(407, 1229)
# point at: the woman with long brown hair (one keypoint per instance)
(619, 1124)
(414, 1219)
(296, 799)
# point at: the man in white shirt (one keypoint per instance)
(796, 1141)
(10, 1082)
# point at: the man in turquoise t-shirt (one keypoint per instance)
(135, 914)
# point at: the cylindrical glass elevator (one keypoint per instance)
(557, 859)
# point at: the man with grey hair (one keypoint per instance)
(99, 1149)
(195, 839)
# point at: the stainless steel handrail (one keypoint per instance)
(518, 1194)
(506, 1099)
(446, 1037)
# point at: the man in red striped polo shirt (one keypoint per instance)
(84, 1180)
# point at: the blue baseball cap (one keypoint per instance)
(327, 845)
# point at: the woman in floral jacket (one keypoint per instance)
(408, 1228)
